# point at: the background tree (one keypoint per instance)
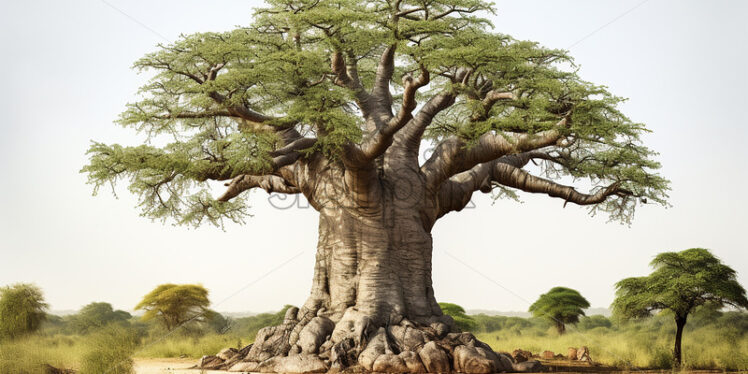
(560, 306)
(22, 310)
(333, 99)
(97, 315)
(174, 305)
(680, 282)
(463, 321)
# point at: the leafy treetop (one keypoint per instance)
(173, 305)
(340, 78)
(561, 305)
(680, 282)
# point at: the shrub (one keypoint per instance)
(22, 310)
(109, 351)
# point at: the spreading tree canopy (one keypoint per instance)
(173, 305)
(680, 282)
(561, 306)
(341, 80)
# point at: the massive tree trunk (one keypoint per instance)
(372, 305)
(381, 268)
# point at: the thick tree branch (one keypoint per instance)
(385, 69)
(454, 155)
(346, 75)
(411, 134)
(455, 193)
(294, 146)
(381, 139)
(245, 113)
(231, 110)
(491, 98)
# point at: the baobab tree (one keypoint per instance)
(335, 100)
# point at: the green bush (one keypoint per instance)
(591, 322)
(109, 351)
(462, 320)
(22, 310)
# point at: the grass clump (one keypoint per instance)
(29, 354)
(109, 351)
(720, 342)
(186, 346)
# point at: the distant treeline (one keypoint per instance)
(97, 315)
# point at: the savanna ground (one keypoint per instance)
(713, 340)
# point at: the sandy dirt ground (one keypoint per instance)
(169, 366)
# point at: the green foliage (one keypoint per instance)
(249, 326)
(463, 321)
(718, 344)
(242, 331)
(592, 322)
(192, 347)
(222, 97)
(680, 282)
(174, 305)
(95, 316)
(218, 323)
(29, 354)
(514, 325)
(561, 305)
(22, 310)
(109, 351)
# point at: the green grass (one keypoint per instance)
(709, 342)
(702, 348)
(109, 351)
(193, 347)
(27, 355)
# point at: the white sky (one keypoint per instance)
(65, 77)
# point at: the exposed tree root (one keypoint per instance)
(355, 345)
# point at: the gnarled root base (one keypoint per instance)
(305, 343)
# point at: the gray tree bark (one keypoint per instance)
(372, 304)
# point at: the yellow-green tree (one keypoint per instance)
(22, 310)
(174, 304)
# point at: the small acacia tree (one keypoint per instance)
(22, 310)
(173, 305)
(560, 306)
(680, 282)
(336, 100)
